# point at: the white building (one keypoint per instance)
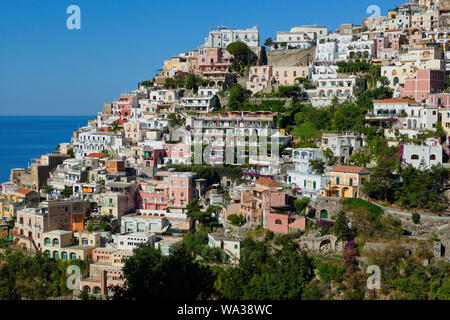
(314, 31)
(337, 47)
(428, 153)
(407, 116)
(71, 171)
(95, 142)
(130, 241)
(343, 145)
(343, 88)
(302, 177)
(296, 39)
(206, 92)
(231, 245)
(154, 221)
(200, 103)
(221, 37)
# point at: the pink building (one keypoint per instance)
(281, 222)
(177, 153)
(425, 82)
(167, 190)
(123, 107)
(213, 59)
(389, 43)
(440, 100)
(259, 78)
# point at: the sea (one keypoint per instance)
(23, 138)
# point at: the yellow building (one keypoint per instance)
(8, 209)
(444, 118)
(346, 182)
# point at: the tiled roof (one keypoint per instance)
(23, 191)
(97, 155)
(268, 182)
(395, 101)
(349, 169)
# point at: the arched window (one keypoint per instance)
(73, 256)
(278, 221)
(47, 241)
(56, 254)
(433, 157)
(55, 242)
(414, 157)
(64, 255)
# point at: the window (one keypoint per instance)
(433, 157)
(414, 157)
(350, 182)
(338, 180)
(278, 221)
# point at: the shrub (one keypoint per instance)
(416, 217)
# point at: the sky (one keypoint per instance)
(47, 69)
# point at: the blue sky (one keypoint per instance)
(46, 69)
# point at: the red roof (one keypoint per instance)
(97, 155)
(268, 182)
(349, 169)
(395, 101)
(23, 191)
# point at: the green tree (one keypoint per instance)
(317, 166)
(301, 204)
(152, 276)
(341, 228)
(67, 192)
(236, 220)
(268, 42)
(237, 97)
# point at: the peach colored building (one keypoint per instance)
(52, 215)
(213, 59)
(259, 78)
(257, 200)
(167, 190)
(106, 271)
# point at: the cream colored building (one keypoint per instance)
(67, 245)
(288, 75)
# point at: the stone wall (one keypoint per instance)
(325, 204)
(293, 57)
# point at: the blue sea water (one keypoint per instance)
(26, 138)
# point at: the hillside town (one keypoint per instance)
(331, 142)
